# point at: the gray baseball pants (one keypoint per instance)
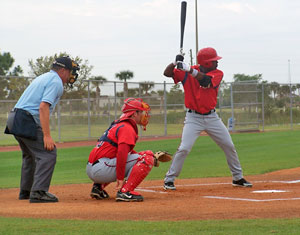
(194, 124)
(105, 170)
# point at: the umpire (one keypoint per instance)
(29, 123)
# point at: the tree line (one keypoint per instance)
(14, 84)
(12, 87)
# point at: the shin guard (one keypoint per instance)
(139, 172)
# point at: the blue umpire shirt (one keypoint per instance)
(47, 87)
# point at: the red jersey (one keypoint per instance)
(196, 97)
(120, 132)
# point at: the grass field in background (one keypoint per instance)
(81, 132)
(258, 152)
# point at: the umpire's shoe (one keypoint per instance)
(24, 194)
(42, 197)
(241, 183)
(98, 193)
(131, 196)
(169, 186)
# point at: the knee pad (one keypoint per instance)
(148, 160)
(147, 157)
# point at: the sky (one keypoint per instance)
(252, 36)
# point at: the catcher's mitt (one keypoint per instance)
(161, 156)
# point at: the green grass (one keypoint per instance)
(232, 227)
(258, 152)
(81, 132)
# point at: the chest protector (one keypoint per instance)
(105, 138)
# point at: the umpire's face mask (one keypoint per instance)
(73, 75)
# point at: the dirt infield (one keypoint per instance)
(273, 195)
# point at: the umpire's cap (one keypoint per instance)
(64, 62)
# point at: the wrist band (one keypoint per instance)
(194, 73)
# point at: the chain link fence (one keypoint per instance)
(84, 114)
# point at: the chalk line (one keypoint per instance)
(210, 184)
(252, 200)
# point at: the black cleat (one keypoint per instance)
(24, 194)
(42, 197)
(169, 186)
(241, 183)
(98, 193)
(129, 197)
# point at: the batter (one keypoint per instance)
(201, 83)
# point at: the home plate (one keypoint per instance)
(270, 191)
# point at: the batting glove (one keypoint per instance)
(179, 58)
(183, 66)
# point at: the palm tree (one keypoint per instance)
(96, 81)
(243, 77)
(284, 91)
(124, 76)
(274, 86)
(146, 86)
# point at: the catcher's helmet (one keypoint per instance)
(132, 105)
(206, 55)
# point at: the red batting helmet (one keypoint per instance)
(132, 105)
(206, 55)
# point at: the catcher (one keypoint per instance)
(114, 159)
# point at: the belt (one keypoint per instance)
(210, 112)
(15, 110)
(93, 163)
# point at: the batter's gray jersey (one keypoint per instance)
(194, 124)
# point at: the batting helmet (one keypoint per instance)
(206, 55)
(131, 105)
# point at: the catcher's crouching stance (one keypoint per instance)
(113, 158)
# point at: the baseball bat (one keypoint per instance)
(182, 25)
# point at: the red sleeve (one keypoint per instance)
(123, 150)
(178, 75)
(216, 77)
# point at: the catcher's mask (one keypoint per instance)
(67, 63)
(131, 105)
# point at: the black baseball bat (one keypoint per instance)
(182, 24)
